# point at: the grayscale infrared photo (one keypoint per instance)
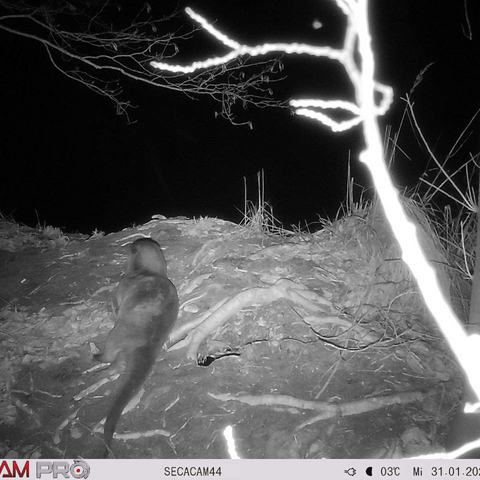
(239, 230)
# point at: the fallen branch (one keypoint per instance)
(184, 329)
(284, 400)
(369, 404)
(327, 409)
(361, 334)
(283, 288)
(135, 435)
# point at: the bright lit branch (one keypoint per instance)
(365, 111)
(303, 107)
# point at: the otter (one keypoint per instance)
(146, 308)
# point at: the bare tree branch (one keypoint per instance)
(98, 42)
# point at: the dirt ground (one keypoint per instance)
(315, 351)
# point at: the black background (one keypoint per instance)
(69, 161)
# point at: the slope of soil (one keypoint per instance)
(317, 351)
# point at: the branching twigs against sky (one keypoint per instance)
(303, 107)
(90, 41)
(364, 110)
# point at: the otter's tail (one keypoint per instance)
(139, 364)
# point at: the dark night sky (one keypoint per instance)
(68, 157)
